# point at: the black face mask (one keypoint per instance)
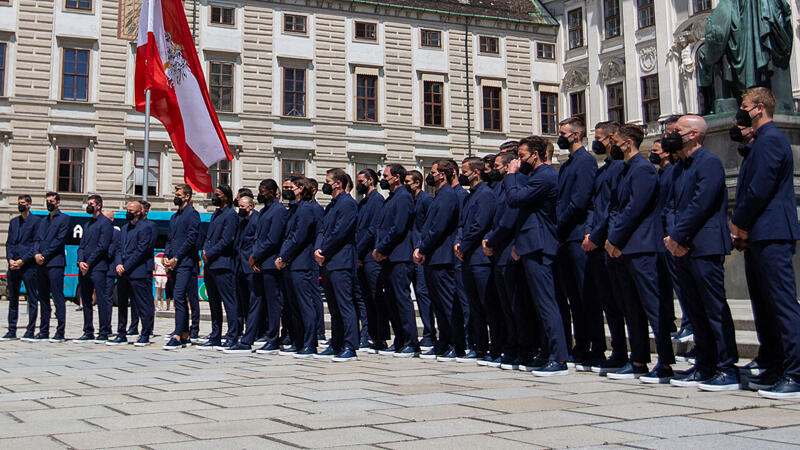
(655, 159)
(430, 180)
(598, 148)
(495, 175)
(129, 216)
(362, 189)
(262, 199)
(89, 209)
(177, 201)
(736, 133)
(288, 195)
(385, 185)
(616, 153)
(526, 168)
(743, 150)
(485, 177)
(216, 201)
(51, 206)
(672, 143)
(743, 117)
(243, 212)
(327, 189)
(463, 180)
(22, 208)
(563, 142)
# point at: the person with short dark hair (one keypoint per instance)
(319, 307)
(462, 194)
(369, 270)
(50, 257)
(20, 252)
(422, 201)
(92, 268)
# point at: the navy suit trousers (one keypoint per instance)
(461, 296)
(423, 302)
(15, 280)
(140, 290)
(221, 289)
(51, 283)
(571, 263)
(255, 307)
(338, 285)
(521, 324)
(596, 294)
(243, 292)
(447, 308)
(484, 310)
(95, 281)
(614, 308)
(368, 275)
(539, 273)
(274, 302)
(397, 281)
(184, 280)
(300, 288)
(319, 307)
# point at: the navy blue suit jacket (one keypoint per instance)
(504, 226)
(245, 239)
(638, 225)
(394, 231)
(301, 232)
(21, 241)
(151, 264)
(535, 195)
(700, 200)
(269, 234)
(135, 249)
(665, 180)
(219, 244)
(476, 221)
(575, 187)
(369, 217)
(184, 237)
(93, 249)
(438, 230)
(113, 250)
(52, 237)
(765, 202)
(337, 234)
(422, 202)
(608, 176)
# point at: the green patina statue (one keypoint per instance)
(748, 43)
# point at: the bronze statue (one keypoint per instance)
(748, 43)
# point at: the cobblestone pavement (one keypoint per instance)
(90, 396)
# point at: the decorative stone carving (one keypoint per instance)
(648, 57)
(687, 38)
(575, 78)
(611, 69)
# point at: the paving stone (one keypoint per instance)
(593, 386)
(472, 442)
(720, 401)
(237, 402)
(81, 412)
(338, 420)
(644, 410)
(790, 435)
(448, 427)
(342, 437)
(61, 425)
(241, 443)
(244, 413)
(233, 428)
(443, 398)
(359, 404)
(669, 427)
(547, 419)
(519, 405)
(506, 393)
(713, 441)
(759, 417)
(160, 407)
(21, 405)
(343, 394)
(35, 395)
(436, 412)
(119, 438)
(409, 389)
(72, 402)
(32, 442)
(575, 436)
(145, 420)
(606, 398)
(179, 395)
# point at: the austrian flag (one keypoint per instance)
(167, 64)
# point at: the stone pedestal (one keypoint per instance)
(718, 141)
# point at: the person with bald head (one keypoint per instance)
(700, 239)
(113, 248)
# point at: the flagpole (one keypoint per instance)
(146, 142)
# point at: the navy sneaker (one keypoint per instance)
(210, 344)
(363, 343)
(328, 353)
(261, 340)
(143, 341)
(407, 352)
(121, 339)
(752, 368)
(628, 372)
(536, 363)
(431, 353)
(426, 343)
(388, 351)
(684, 335)
(268, 349)
(348, 354)
(87, 337)
(570, 361)
(238, 348)
(286, 341)
(41, 337)
(10, 336)
(194, 337)
(493, 362)
(766, 380)
(687, 356)
(132, 332)
(228, 343)
(58, 338)
(552, 369)
(659, 375)
(305, 353)
(788, 388)
(448, 356)
(101, 339)
(288, 351)
(174, 344)
(722, 381)
(470, 357)
(376, 347)
(28, 336)
(611, 364)
(692, 378)
(507, 362)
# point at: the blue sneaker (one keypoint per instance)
(328, 353)
(470, 357)
(237, 348)
(721, 382)
(387, 351)
(509, 363)
(628, 372)
(348, 354)
(305, 353)
(407, 352)
(426, 343)
(494, 362)
(787, 389)
(288, 351)
(448, 356)
(485, 360)
(268, 349)
(552, 369)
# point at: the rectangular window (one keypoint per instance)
(294, 92)
(431, 38)
(647, 13)
(70, 169)
(616, 103)
(651, 106)
(220, 86)
(367, 30)
(575, 26)
(549, 112)
(577, 103)
(222, 16)
(292, 168)
(492, 108)
(611, 15)
(2, 69)
(294, 24)
(220, 173)
(153, 169)
(545, 51)
(367, 98)
(75, 79)
(433, 103)
(701, 6)
(359, 168)
(489, 44)
(79, 4)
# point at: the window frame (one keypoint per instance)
(578, 28)
(619, 107)
(295, 17)
(552, 117)
(491, 109)
(426, 105)
(640, 8)
(366, 99)
(611, 19)
(304, 93)
(3, 61)
(78, 7)
(422, 33)
(215, 171)
(365, 38)
(488, 50)
(580, 95)
(75, 75)
(542, 45)
(287, 175)
(647, 101)
(232, 86)
(152, 155)
(695, 10)
(70, 164)
(222, 15)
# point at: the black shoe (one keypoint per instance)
(268, 349)
(210, 345)
(628, 372)
(305, 353)
(10, 336)
(119, 340)
(132, 332)
(721, 382)
(693, 378)
(58, 338)
(328, 353)
(364, 343)
(407, 352)
(470, 357)
(683, 335)
(552, 369)
(426, 343)
(448, 356)
(101, 339)
(41, 337)
(508, 362)
(348, 354)
(752, 368)
(787, 388)
(376, 347)
(430, 354)
(194, 336)
(286, 341)
(174, 344)
(687, 356)
(536, 363)
(225, 345)
(143, 341)
(609, 365)
(288, 351)
(766, 380)
(28, 336)
(659, 375)
(388, 351)
(237, 348)
(87, 337)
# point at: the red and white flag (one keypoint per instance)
(167, 64)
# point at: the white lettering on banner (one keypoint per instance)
(77, 232)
